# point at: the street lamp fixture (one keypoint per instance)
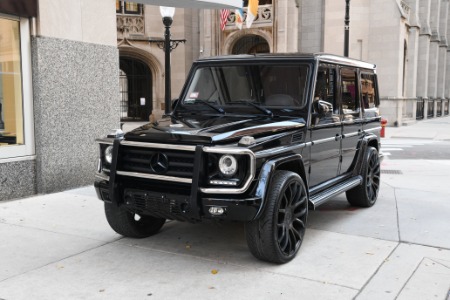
(167, 45)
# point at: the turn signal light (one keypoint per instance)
(223, 182)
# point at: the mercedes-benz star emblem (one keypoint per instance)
(159, 163)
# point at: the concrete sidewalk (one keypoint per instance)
(436, 129)
(59, 246)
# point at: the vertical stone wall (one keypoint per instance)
(447, 75)
(312, 26)
(413, 50)
(17, 179)
(76, 99)
(287, 13)
(434, 48)
(443, 45)
(424, 48)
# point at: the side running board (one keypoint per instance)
(322, 197)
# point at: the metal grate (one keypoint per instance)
(135, 159)
(392, 172)
(420, 109)
(297, 137)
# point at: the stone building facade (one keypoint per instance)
(407, 39)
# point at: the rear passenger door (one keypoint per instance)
(351, 116)
(370, 102)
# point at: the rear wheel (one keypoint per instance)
(278, 234)
(130, 224)
(366, 194)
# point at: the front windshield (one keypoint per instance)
(274, 86)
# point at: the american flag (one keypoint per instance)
(224, 14)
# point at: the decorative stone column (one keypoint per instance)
(208, 33)
(435, 13)
(413, 48)
(443, 46)
(447, 75)
(289, 25)
(413, 55)
(424, 49)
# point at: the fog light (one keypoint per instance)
(216, 210)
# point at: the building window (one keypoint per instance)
(260, 2)
(118, 7)
(128, 8)
(16, 136)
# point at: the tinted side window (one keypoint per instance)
(325, 107)
(369, 95)
(368, 91)
(284, 85)
(349, 93)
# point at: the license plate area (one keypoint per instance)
(161, 205)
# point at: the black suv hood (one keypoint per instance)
(197, 129)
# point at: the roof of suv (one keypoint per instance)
(323, 57)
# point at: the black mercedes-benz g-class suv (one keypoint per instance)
(253, 138)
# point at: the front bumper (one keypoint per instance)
(174, 194)
(168, 204)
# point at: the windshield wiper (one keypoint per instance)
(266, 111)
(219, 109)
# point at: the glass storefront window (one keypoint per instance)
(16, 109)
(11, 117)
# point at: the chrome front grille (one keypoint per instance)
(174, 163)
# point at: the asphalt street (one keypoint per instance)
(407, 148)
(59, 246)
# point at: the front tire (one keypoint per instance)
(278, 234)
(366, 194)
(130, 224)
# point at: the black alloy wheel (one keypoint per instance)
(278, 234)
(366, 194)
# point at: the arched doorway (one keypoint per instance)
(251, 44)
(135, 90)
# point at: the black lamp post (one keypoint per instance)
(2, 124)
(347, 27)
(167, 45)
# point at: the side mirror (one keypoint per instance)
(323, 108)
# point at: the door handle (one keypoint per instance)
(338, 137)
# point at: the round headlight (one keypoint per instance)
(228, 165)
(108, 154)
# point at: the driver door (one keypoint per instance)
(325, 130)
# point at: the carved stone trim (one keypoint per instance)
(131, 24)
(406, 9)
